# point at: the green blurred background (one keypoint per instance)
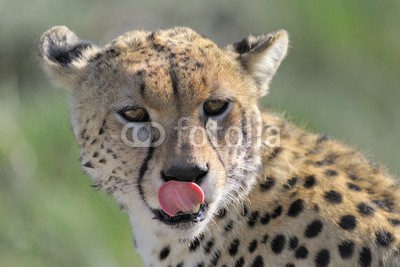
(341, 77)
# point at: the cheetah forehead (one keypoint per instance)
(178, 36)
(246, 66)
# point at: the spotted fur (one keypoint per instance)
(311, 201)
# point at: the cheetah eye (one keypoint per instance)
(215, 107)
(134, 114)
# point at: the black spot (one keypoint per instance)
(113, 52)
(296, 208)
(253, 246)
(331, 173)
(348, 222)
(194, 245)
(200, 264)
(384, 238)
(328, 160)
(265, 218)
(354, 177)
(322, 258)
(384, 204)
(333, 197)
(258, 262)
(316, 207)
(233, 248)
(102, 160)
(253, 219)
(394, 222)
(221, 213)
(215, 257)
(123, 208)
(290, 183)
(239, 262)
(94, 141)
(309, 181)
(346, 249)
(242, 47)
(301, 253)
(95, 154)
(365, 209)
(179, 264)
(96, 186)
(353, 187)
(264, 239)
(278, 243)
(322, 138)
(245, 211)
(208, 246)
(313, 229)
(164, 253)
(199, 65)
(275, 153)
(293, 243)
(277, 212)
(290, 265)
(267, 184)
(88, 165)
(365, 257)
(228, 226)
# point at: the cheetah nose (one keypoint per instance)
(185, 173)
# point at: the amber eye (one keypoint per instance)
(215, 107)
(135, 114)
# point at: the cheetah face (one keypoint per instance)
(167, 121)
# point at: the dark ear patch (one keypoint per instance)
(261, 56)
(242, 47)
(252, 44)
(64, 55)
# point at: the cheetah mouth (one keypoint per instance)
(181, 218)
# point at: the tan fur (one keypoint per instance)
(342, 210)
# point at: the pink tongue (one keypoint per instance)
(174, 197)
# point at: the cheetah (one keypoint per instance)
(169, 124)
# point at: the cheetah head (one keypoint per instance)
(167, 122)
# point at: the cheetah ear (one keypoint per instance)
(64, 56)
(262, 55)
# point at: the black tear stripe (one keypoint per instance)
(243, 122)
(142, 172)
(174, 80)
(212, 145)
(244, 130)
(142, 84)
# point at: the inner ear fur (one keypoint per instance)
(261, 56)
